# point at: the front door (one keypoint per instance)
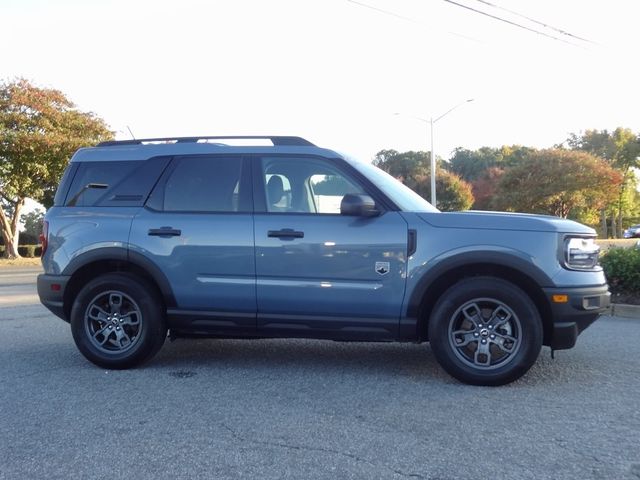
(320, 273)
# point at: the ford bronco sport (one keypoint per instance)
(256, 237)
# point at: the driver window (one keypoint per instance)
(328, 191)
(305, 185)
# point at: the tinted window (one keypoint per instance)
(204, 184)
(90, 175)
(63, 187)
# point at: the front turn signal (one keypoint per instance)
(560, 298)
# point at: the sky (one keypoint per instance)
(351, 76)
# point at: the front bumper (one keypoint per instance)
(51, 292)
(570, 318)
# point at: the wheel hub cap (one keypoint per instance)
(485, 333)
(113, 322)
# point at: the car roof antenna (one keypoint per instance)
(132, 136)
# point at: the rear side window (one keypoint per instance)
(204, 184)
(96, 180)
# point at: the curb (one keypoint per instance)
(624, 310)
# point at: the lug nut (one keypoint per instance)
(476, 334)
(493, 337)
(484, 341)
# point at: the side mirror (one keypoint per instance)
(356, 205)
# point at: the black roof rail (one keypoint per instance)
(277, 141)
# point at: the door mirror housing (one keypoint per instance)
(357, 205)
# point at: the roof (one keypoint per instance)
(144, 149)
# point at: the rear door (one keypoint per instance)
(197, 227)
(320, 273)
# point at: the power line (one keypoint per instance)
(533, 20)
(495, 17)
(408, 19)
(387, 12)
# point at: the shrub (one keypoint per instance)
(622, 268)
(29, 251)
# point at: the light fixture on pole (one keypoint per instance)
(430, 123)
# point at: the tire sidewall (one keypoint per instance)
(152, 330)
(505, 292)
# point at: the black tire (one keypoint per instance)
(118, 321)
(485, 331)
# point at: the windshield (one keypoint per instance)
(403, 196)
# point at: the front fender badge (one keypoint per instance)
(382, 268)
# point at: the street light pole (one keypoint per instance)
(433, 168)
(429, 123)
(433, 155)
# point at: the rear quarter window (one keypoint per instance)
(105, 173)
(128, 183)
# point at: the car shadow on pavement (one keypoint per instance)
(320, 356)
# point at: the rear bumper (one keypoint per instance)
(570, 318)
(51, 292)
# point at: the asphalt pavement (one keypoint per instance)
(271, 409)
(18, 285)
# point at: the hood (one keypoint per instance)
(504, 221)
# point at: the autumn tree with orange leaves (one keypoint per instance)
(558, 182)
(40, 128)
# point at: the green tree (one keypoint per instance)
(471, 165)
(557, 182)
(453, 193)
(32, 224)
(483, 168)
(404, 166)
(413, 169)
(39, 130)
(621, 149)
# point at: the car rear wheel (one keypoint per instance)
(117, 321)
(485, 331)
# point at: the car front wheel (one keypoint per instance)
(485, 331)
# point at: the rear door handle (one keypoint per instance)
(165, 232)
(285, 233)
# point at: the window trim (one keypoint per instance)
(65, 185)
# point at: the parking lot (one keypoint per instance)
(307, 409)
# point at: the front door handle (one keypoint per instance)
(165, 232)
(285, 233)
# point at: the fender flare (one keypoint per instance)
(511, 259)
(123, 254)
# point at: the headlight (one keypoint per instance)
(581, 253)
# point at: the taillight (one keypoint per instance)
(44, 236)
